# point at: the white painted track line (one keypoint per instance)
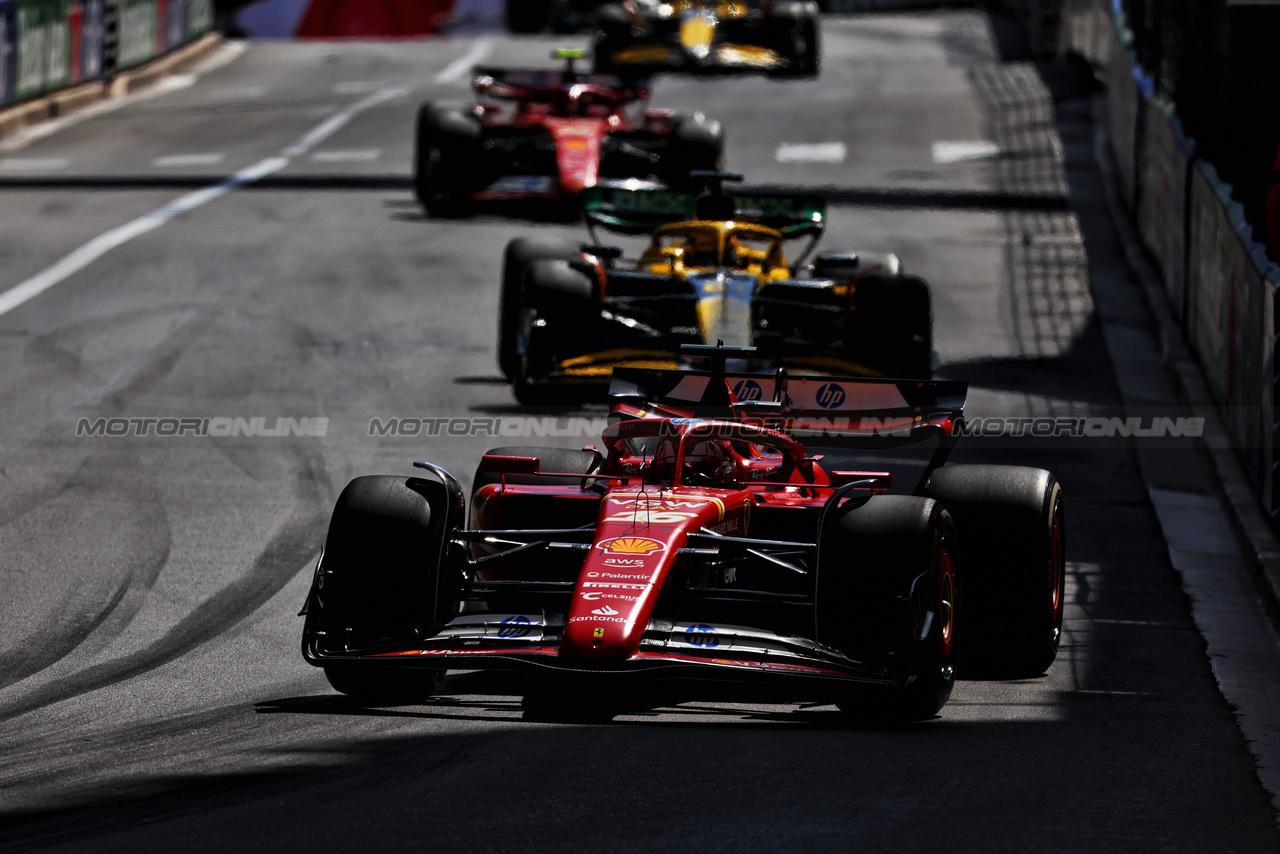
(104, 243)
(170, 161)
(811, 152)
(365, 155)
(460, 67)
(960, 151)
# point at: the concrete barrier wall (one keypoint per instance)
(1220, 283)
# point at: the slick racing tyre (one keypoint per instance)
(887, 595)
(1012, 532)
(892, 326)
(528, 16)
(381, 580)
(446, 157)
(613, 33)
(795, 28)
(519, 254)
(696, 143)
(558, 320)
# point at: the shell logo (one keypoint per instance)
(631, 546)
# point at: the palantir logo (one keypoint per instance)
(748, 390)
(830, 395)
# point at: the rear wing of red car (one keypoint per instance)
(640, 211)
(835, 411)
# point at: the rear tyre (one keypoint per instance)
(886, 596)
(696, 143)
(519, 254)
(1011, 524)
(796, 26)
(613, 33)
(446, 158)
(381, 582)
(892, 326)
(558, 321)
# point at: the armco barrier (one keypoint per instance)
(1163, 171)
(1122, 116)
(1220, 282)
(8, 27)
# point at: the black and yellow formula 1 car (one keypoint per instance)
(713, 271)
(776, 37)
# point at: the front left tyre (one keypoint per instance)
(381, 582)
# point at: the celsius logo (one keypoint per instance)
(604, 611)
(748, 390)
(516, 626)
(830, 395)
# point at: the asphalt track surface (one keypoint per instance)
(152, 695)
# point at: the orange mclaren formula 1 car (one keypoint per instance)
(775, 37)
(713, 270)
(703, 544)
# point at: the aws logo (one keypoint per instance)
(748, 390)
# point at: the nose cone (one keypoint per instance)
(724, 306)
(615, 596)
(577, 151)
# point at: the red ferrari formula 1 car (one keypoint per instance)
(703, 545)
(548, 134)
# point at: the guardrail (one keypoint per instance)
(48, 45)
(1220, 283)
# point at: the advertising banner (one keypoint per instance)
(42, 41)
(138, 32)
(199, 18)
(8, 27)
(93, 39)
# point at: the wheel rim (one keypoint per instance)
(946, 603)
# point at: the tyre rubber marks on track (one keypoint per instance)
(104, 243)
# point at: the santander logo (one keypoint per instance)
(604, 611)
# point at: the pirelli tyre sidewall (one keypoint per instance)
(1011, 526)
(887, 595)
(519, 253)
(382, 582)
